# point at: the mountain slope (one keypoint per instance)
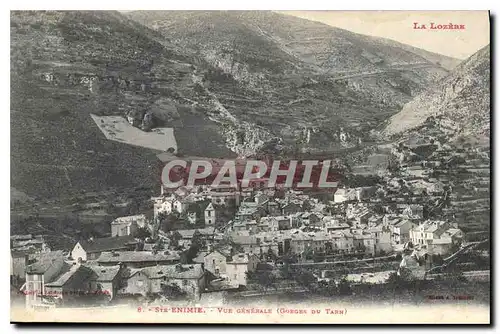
(442, 137)
(323, 46)
(67, 65)
(299, 80)
(231, 84)
(446, 62)
(459, 104)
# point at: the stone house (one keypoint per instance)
(290, 208)
(415, 211)
(124, 226)
(91, 249)
(311, 218)
(273, 209)
(239, 266)
(185, 237)
(381, 236)
(168, 205)
(342, 241)
(224, 195)
(215, 262)
(427, 231)
(19, 260)
(138, 259)
(210, 215)
(189, 278)
(401, 231)
(47, 268)
(344, 195)
(256, 244)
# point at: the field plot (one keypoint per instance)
(374, 278)
(117, 128)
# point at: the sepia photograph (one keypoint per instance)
(250, 167)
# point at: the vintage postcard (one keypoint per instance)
(265, 167)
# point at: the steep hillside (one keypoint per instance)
(306, 83)
(458, 105)
(66, 65)
(446, 62)
(443, 138)
(229, 84)
(317, 45)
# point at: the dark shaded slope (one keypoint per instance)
(459, 105)
(66, 65)
(293, 76)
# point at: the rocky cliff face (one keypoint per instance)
(459, 104)
(282, 74)
(228, 83)
(66, 65)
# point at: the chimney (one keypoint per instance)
(178, 268)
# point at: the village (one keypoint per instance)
(203, 240)
(249, 239)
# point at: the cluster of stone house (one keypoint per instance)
(24, 251)
(54, 279)
(353, 227)
(108, 267)
(293, 228)
(352, 194)
(230, 266)
(438, 237)
(210, 212)
(113, 267)
(263, 224)
(189, 278)
(129, 225)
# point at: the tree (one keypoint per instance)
(437, 259)
(139, 246)
(327, 288)
(307, 206)
(393, 278)
(270, 255)
(167, 221)
(133, 208)
(198, 240)
(142, 233)
(158, 245)
(286, 273)
(172, 291)
(344, 287)
(306, 279)
(289, 258)
(196, 244)
(265, 278)
(174, 239)
(317, 257)
(250, 275)
(190, 254)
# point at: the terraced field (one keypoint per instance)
(117, 128)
